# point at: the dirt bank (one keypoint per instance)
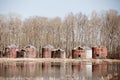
(55, 60)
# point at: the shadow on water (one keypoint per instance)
(59, 71)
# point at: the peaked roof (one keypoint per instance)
(12, 46)
(30, 46)
(48, 46)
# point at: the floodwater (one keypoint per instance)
(59, 71)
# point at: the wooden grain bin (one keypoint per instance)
(99, 52)
(58, 53)
(46, 51)
(30, 52)
(78, 52)
(11, 51)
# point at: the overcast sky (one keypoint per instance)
(54, 8)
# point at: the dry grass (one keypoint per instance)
(55, 60)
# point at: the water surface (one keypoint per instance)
(59, 71)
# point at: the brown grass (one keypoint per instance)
(56, 60)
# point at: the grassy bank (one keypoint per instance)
(55, 60)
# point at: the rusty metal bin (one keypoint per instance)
(46, 51)
(78, 54)
(30, 51)
(99, 52)
(58, 53)
(11, 51)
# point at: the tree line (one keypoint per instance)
(75, 29)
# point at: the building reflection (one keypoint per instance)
(59, 71)
(82, 71)
(99, 70)
(114, 71)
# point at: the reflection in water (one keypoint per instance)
(59, 71)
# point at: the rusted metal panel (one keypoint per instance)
(7, 52)
(99, 52)
(55, 54)
(46, 51)
(20, 54)
(82, 52)
(78, 53)
(58, 53)
(11, 51)
(30, 52)
(89, 53)
(63, 54)
(1, 53)
(104, 52)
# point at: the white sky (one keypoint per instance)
(54, 8)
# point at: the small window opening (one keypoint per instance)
(79, 55)
(97, 55)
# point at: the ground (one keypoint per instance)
(56, 60)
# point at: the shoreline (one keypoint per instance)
(56, 60)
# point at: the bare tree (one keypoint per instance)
(73, 30)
